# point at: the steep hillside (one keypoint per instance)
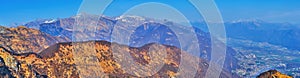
(22, 39)
(63, 60)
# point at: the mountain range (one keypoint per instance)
(284, 34)
(45, 49)
(145, 30)
(40, 37)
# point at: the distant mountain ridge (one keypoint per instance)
(284, 34)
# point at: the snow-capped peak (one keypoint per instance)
(49, 21)
(130, 17)
(247, 20)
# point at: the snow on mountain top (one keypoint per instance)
(130, 17)
(50, 21)
(247, 20)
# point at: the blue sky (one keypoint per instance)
(21, 11)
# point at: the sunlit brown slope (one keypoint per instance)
(273, 74)
(60, 61)
(23, 40)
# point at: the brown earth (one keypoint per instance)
(95, 59)
(23, 40)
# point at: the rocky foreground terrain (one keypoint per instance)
(60, 61)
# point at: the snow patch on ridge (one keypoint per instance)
(50, 21)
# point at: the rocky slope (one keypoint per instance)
(273, 74)
(63, 60)
(22, 39)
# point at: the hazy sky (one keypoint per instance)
(20, 11)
